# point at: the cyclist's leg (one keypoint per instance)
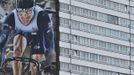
(19, 44)
(37, 52)
(37, 57)
(40, 57)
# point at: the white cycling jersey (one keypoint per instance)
(32, 26)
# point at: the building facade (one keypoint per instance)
(96, 37)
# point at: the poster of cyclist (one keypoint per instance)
(28, 37)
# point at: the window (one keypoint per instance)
(124, 63)
(75, 68)
(123, 8)
(84, 12)
(102, 59)
(75, 54)
(101, 2)
(132, 37)
(132, 51)
(64, 22)
(132, 24)
(132, 65)
(109, 32)
(64, 7)
(87, 42)
(107, 45)
(102, 45)
(75, 25)
(124, 22)
(102, 17)
(92, 2)
(112, 19)
(75, 39)
(132, 10)
(124, 49)
(102, 72)
(75, 10)
(94, 57)
(124, 35)
(114, 5)
(116, 47)
(84, 70)
(102, 30)
(64, 51)
(94, 43)
(109, 60)
(84, 27)
(64, 66)
(84, 55)
(82, 41)
(64, 37)
(116, 33)
(92, 14)
(93, 71)
(94, 29)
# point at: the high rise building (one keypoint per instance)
(96, 37)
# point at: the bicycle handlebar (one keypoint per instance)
(22, 59)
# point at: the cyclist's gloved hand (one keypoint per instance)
(5, 28)
(4, 33)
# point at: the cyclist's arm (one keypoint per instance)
(47, 28)
(4, 33)
(7, 25)
(50, 39)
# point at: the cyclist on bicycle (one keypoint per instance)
(32, 25)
